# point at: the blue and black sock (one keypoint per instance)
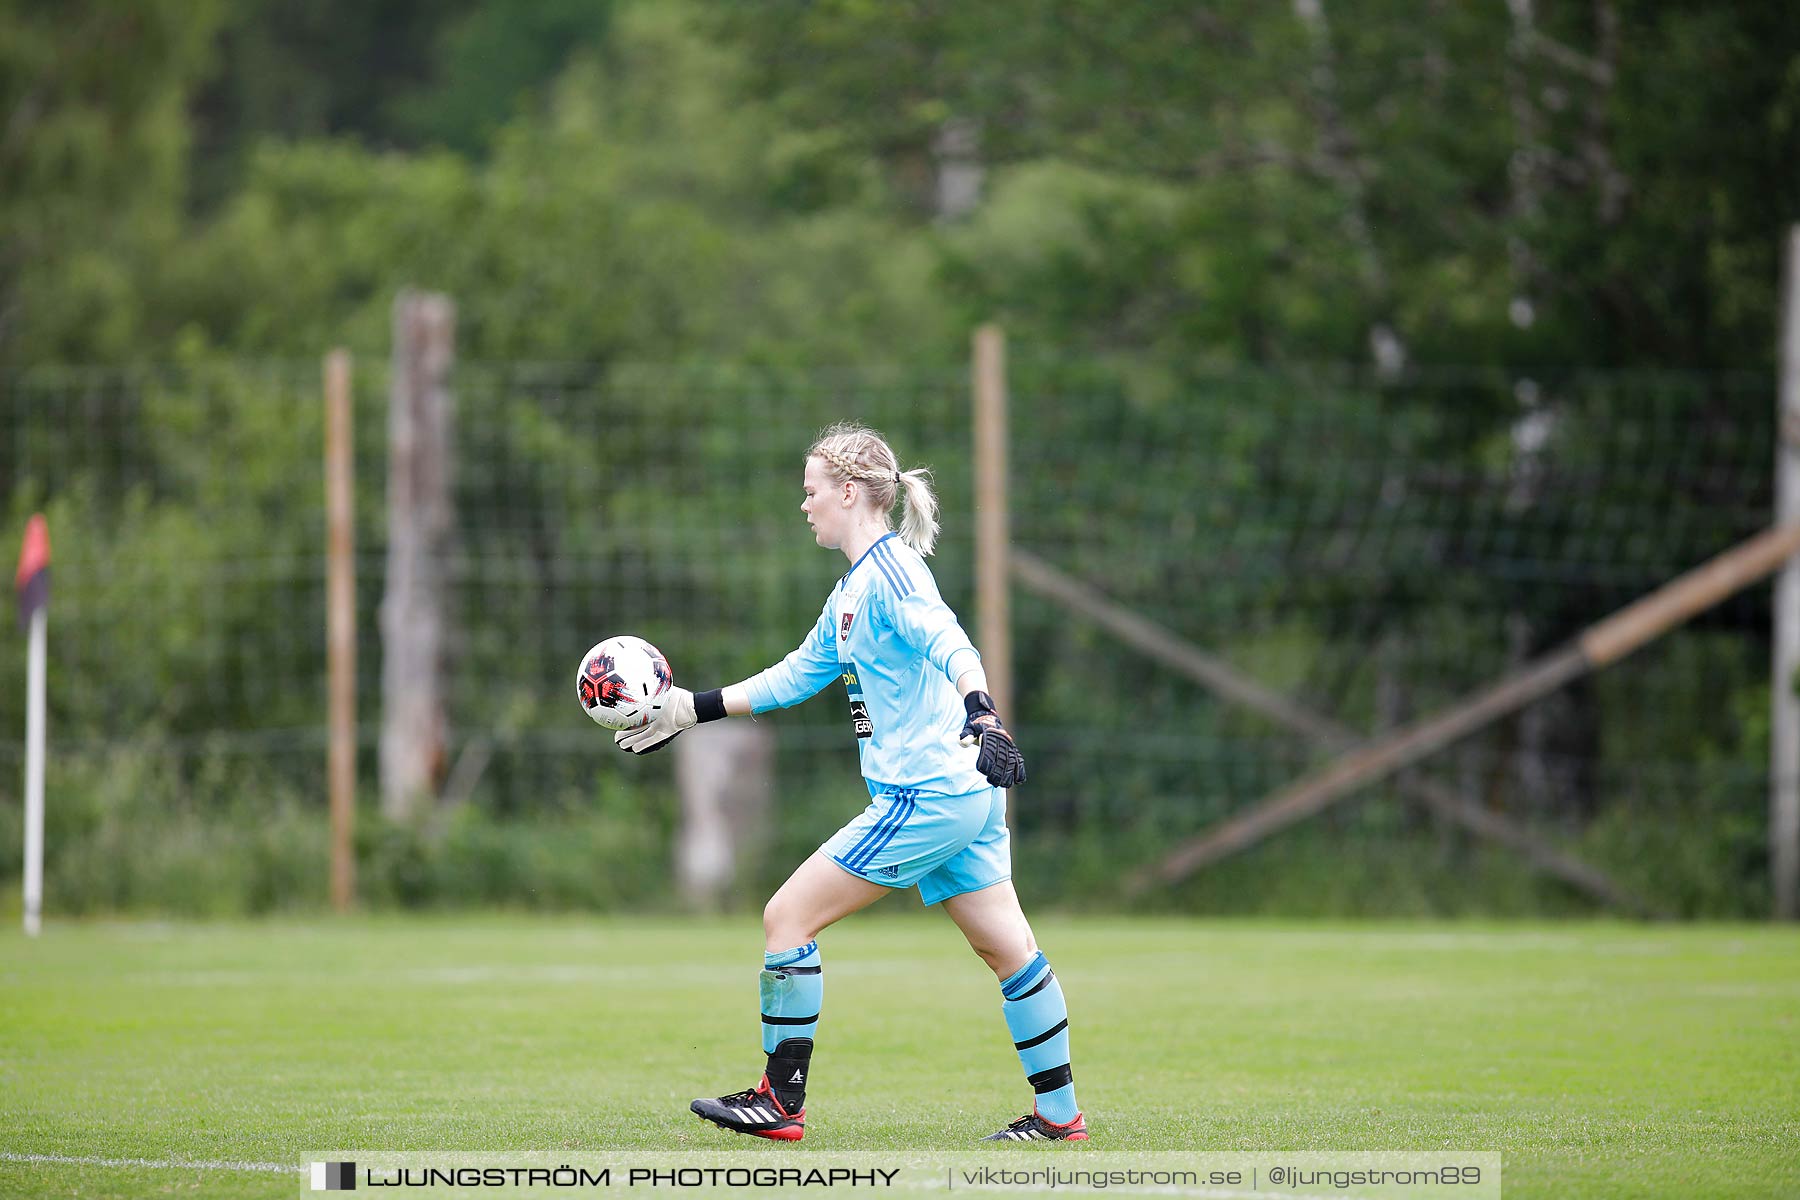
(1039, 1021)
(793, 986)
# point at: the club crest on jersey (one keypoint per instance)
(844, 629)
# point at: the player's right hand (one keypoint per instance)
(999, 760)
(673, 712)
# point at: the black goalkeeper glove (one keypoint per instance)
(999, 761)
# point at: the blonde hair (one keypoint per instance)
(853, 452)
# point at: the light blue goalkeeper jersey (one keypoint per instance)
(899, 650)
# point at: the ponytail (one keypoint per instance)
(919, 520)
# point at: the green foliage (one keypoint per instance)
(632, 220)
(139, 827)
(400, 75)
(207, 832)
(659, 181)
(1618, 167)
(94, 159)
(1166, 195)
(611, 857)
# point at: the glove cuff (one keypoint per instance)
(977, 702)
(709, 706)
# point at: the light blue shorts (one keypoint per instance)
(947, 845)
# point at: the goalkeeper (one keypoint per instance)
(937, 817)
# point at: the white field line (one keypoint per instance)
(173, 1164)
(457, 975)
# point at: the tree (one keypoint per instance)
(1488, 184)
(93, 152)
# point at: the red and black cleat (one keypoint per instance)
(756, 1112)
(1033, 1128)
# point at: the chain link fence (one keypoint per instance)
(1372, 548)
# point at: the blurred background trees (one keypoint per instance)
(1378, 344)
(1511, 183)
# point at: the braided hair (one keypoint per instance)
(853, 452)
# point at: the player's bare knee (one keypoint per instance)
(1014, 956)
(774, 924)
(783, 928)
(990, 957)
(1004, 959)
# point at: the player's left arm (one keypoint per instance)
(925, 623)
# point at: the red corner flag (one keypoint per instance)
(33, 578)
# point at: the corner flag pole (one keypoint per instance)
(33, 584)
(34, 777)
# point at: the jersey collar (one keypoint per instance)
(859, 562)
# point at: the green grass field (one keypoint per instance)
(1601, 1060)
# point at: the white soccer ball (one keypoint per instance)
(619, 681)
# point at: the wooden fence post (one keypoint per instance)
(340, 624)
(993, 598)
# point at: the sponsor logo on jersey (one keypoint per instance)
(859, 719)
(859, 712)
